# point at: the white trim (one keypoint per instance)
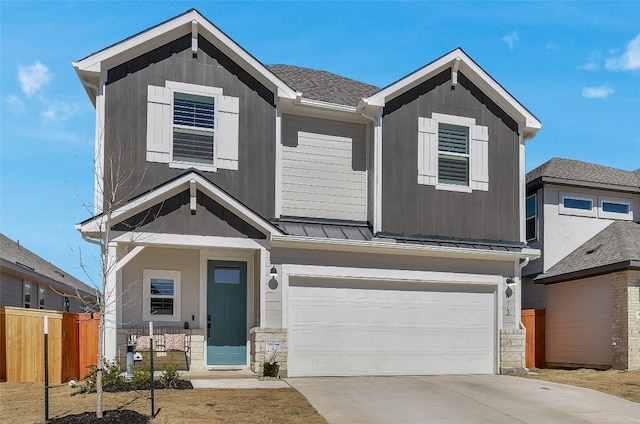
(615, 215)
(522, 188)
(472, 71)
(380, 246)
(96, 225)
(188, 241)
(278, 160)
(111, 303)
(168, 31)
(147, 275)
(591, 213)
(377, 170)
(99, 149)
(128, 257)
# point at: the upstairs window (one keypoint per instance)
(453, 154)
(615, 208)
(531, 220)
(193, 128)
(41, 292)
(161, 295)
(26, 295)
(577, 204)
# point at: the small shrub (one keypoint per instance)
(142, 376)
(112, 378)
(170, 375)
(270, 369)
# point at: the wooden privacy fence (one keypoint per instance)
(533, 320)
(73, 344)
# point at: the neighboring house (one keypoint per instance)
(584, 217)
(28, 281)
(369, 231)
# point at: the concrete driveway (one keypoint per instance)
(460, 399)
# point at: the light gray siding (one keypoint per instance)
(323, 169)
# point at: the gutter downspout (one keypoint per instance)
(522, 327)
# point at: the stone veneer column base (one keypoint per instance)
(512, 352)
(626, 319)
(258, 337)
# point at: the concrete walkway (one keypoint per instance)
(491, 399)
(230, 379)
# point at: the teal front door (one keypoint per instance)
(226, 313)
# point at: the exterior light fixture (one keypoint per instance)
(509, 291)
(273, 272)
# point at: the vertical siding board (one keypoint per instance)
(478, 215)
(126, 112)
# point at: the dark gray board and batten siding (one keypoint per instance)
(412, 208)
(126, 125)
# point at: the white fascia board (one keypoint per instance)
(300, 242)
(168, 31)
(95, 226)
(187, 241)
(375, 274)
(476, 74)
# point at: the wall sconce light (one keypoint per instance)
(274, 272)
(509, 291)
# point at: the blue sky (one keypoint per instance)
(575, 65)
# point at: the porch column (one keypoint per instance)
(109, 342)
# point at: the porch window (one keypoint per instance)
(161, 295)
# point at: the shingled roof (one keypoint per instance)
(576, 172)
(17, 255)
(614, 248)
(322, 85)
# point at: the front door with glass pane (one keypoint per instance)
(226, 313)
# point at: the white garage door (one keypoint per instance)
(390, 328)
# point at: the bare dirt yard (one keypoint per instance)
(624, 384)
(23, 403)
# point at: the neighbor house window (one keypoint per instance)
(41, 292)
(453, 153)
(577, 204)
(573, 203)
(26, 295)
(615, 208)
(161, 295)
(531, 222)
(193, 128)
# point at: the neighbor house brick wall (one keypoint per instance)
(626, 324)
(512, 351)
(259, 337)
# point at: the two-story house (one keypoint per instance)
(584, 218)
(368, 231)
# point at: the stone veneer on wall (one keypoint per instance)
(258, 337)
(512, 351)
(626, 322)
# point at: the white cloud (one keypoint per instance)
(590, 66)
(627, 61)
(58, 112)
(511, 39)
(33, 78)
(601, 92)
(15, 105)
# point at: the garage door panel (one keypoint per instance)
(420, 329)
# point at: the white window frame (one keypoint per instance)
(534, 217)
(147, 275)
(591, 213)
(24, 294)
(614, 215)
(201, 91)
(160, 126)
(428, 153)
(42, 292)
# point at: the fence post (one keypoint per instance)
(46, 369)
(153, 409)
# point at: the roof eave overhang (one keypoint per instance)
(95, 227)
(529, 123)
(91, 67)
(590, 272)
(540, 181)
(16, 269)
(387, 247)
